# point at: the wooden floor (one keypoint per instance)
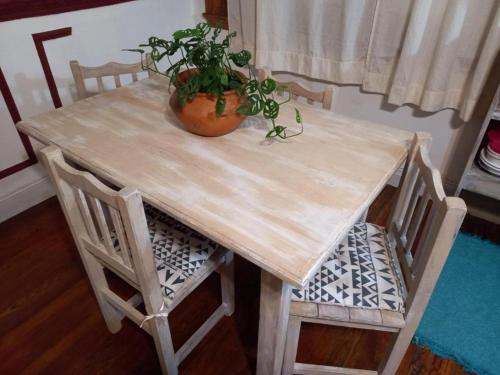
(50, 323)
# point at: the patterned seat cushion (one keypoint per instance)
(359, 273)
(178, 250)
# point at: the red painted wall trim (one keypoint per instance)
(39, 38)
(16, 9)
(16, 117)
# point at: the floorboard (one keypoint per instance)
(50, 322)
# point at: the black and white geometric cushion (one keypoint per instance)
(178, 250)
(359, 273)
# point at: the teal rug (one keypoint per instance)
(462, 320)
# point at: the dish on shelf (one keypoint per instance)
(488, 160)
(486, 170)
(487, 166)
(492, 156)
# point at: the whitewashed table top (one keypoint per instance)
(282, 205)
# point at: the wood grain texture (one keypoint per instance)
(51, 314)
(110, 69)
(281, 205)
(275, 297)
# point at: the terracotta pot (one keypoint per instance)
(198, 115)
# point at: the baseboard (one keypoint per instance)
(25, 198)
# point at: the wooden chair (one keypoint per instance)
(111, 69)
(382, 278)
(158, 256)
(324, 97)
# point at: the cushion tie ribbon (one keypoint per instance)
(160, 314)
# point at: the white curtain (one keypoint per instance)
(433, 53)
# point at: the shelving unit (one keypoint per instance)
(496, 113)
(478, 182)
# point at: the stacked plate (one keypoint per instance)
(489, 157)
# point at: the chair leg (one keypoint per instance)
(400, 344)
(227, 284)
(292, 343)
(95, 272)
(160, 330)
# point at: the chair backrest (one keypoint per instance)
(107, 225)
(423, 225)
(111, 69)
(324, 97)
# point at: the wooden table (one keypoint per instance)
(282, 205)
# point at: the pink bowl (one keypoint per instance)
(492, 155)
(494, 140)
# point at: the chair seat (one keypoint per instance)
(360, 273)
(178, 251)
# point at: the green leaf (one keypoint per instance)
(153, 40)
(270, 133)
(193, 85)
(235, 85)
(252, 86)
(241, 58)
(220, 106)
(252, 105)
(207, 79)
(203, 28)
(187, 33)
(155, 54)
(198, 55)
(298, 116)
(216, 32)
(277, 131)
(173, 47)
(173, 73)
(182, 96)
(227, 40)
(281, 131)
(257, 104)
(224, 80)
(163, 43)
(268, 85)
(271, 109)
(134, 50)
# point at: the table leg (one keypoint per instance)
(275, 297)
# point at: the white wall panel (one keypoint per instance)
(98, 36)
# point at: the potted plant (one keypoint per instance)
(211, 97)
